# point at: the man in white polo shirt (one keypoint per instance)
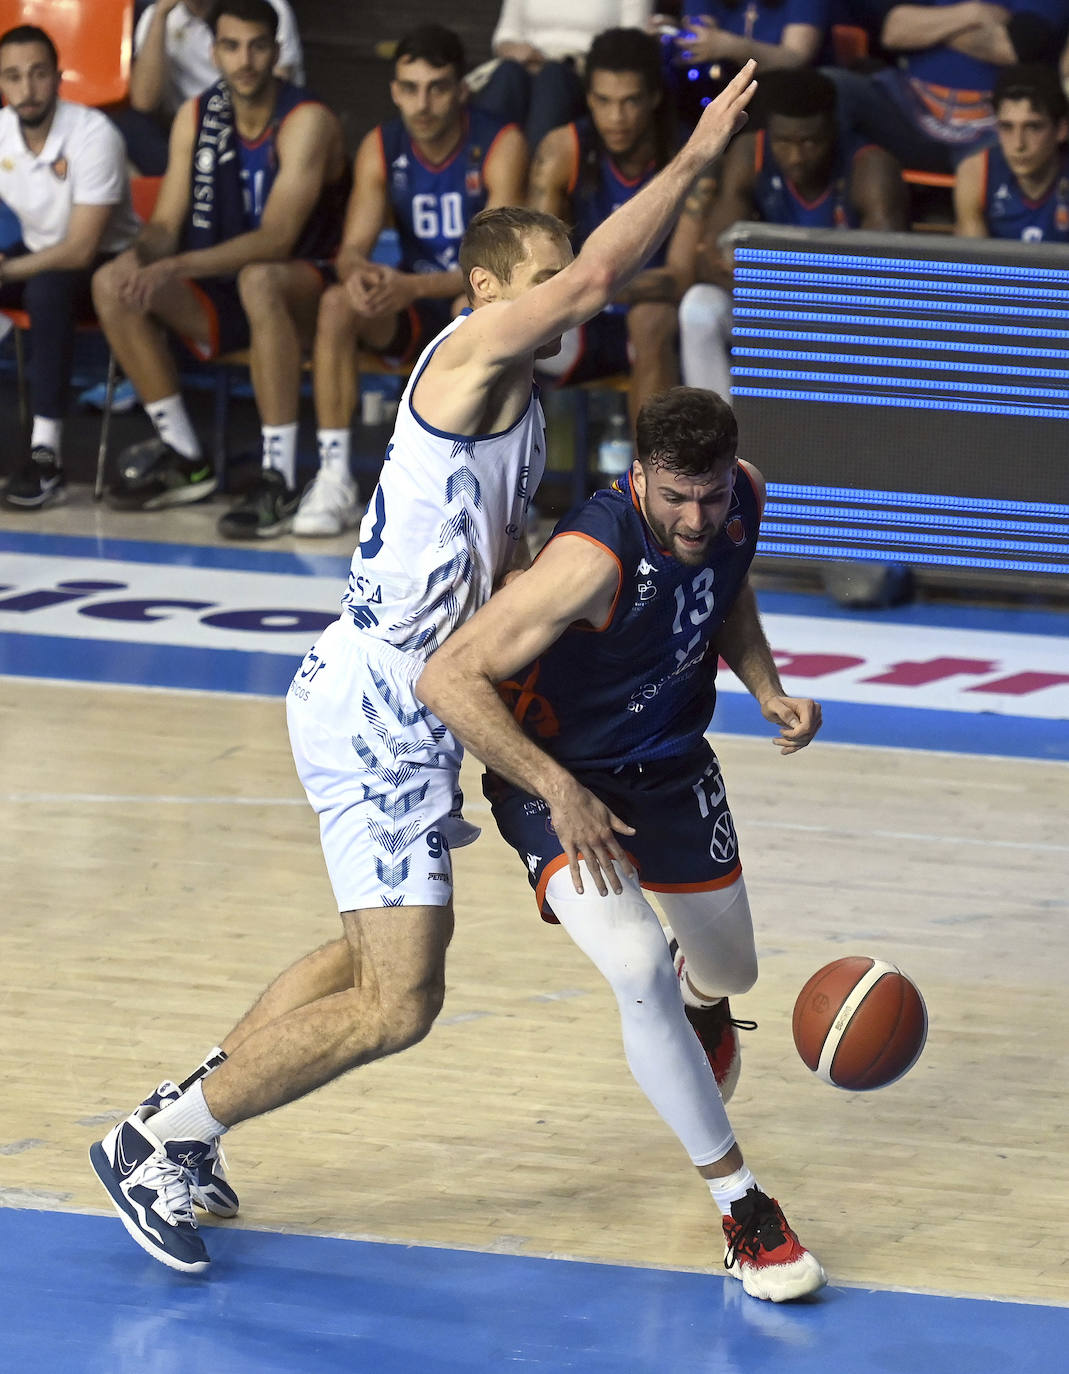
(173, 61)
(63, 173)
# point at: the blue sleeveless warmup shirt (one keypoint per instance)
(1009, 212)
(779, 203)
(432, 206)
(258, 162)
(643, 687)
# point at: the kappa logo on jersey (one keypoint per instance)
(644, 569)
(533, 860)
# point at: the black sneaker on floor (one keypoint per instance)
(264, 512)
(39, 482)
(153, 476)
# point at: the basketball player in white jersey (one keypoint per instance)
(445, 525)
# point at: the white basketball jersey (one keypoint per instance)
(443, 523)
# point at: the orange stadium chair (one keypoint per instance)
(94, 39)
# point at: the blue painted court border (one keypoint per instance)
(79, 1296)
(1042, 619)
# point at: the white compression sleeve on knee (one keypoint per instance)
(624, 939)
(715, 933)
(704, 338)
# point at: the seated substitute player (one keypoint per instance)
(934, 107)
(248, 217)
(446, 524)
(63, 172)
(172, 63)
(581, 172)
(606, 653)
(428, 172)
(799, 170)
(1019, 189)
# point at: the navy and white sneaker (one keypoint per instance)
(39, 482)
(148, 1183)
(207, 1185)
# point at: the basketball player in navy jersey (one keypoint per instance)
(1019, 189)
(445, 526)
(427, 172)
(583, 171)
(596, 669)
(800, 169)
(248, 216)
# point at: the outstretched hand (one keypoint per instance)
(799, 720)
(585, 825)
(723, 117)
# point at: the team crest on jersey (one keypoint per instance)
(735, 530)
(473, 181)
(1061, 210)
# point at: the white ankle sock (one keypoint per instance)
(729, 1189)
(187, 1119)
(280, 451)
(173, 425)
(334, 449)
(46, 434)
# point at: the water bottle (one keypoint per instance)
(615, 451)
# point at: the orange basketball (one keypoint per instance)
(860, 1023)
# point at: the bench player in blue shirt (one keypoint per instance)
(582, 172)
(1019, 189)
(593, 675)
(800, 169)
(427, 172)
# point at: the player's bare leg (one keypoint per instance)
(339, 330)
(399, 968)
(322, 973)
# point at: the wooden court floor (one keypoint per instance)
(159, 866)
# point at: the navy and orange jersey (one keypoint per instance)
(433, 204)
(778, 202)
(258, 161)
(597, 187)
(643, 685)
(1011, 215)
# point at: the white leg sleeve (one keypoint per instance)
(715, 933)
(624, 939)
(705, 337)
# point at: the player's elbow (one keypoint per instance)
(593, 284)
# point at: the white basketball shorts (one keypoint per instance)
(381, 772)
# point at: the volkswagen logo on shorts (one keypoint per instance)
(723, 844)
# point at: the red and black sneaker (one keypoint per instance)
(716, 1029)
(763, 1251)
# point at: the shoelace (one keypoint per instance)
(762, 1228)
(171, 1182)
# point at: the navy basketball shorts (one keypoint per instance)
(684, 838)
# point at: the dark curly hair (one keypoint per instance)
(687, 431)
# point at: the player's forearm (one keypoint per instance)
(154, 242)
(654, 284)
(467, 701)
(743, 647)
(427, 286)
(987, 43)
(914, 27)
(61, 257)
(733, 47)
(149, 70)
(228, 258)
